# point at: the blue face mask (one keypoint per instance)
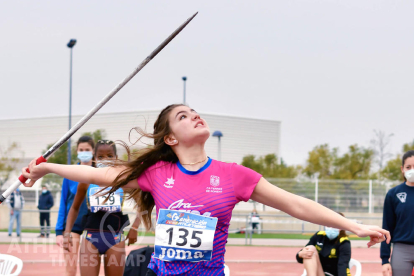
(85, 156)
(44, 191)
(331, 233)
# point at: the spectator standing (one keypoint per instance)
(45, 203)
(398, 219)
(255, 219)
(15, 202)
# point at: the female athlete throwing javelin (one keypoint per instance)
(194, 195)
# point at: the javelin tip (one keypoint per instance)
(191, 18)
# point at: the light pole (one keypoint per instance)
(184, 79)
(218, 134)
(70, 44)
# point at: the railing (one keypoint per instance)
(356, 196)
(292, 225)
(243, 223)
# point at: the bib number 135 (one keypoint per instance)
(195, 240)
(182, 236)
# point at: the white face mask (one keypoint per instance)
(409, 175)
(101, 165)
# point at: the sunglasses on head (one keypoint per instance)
(105, 142)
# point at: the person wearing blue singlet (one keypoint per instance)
(84, 148)
(103, 224)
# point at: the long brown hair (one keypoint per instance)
(147, 157)
(342, 233)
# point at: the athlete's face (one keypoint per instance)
(85, 146)
(408, 164)
(105, 152)
(187, 126)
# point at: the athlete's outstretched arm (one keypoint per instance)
(308, 210)
(78, 173)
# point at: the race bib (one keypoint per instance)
(181, 236)
(96, 201)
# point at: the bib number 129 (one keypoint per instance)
(184, 236)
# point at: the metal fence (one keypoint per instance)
(356, 196)
(241, 223)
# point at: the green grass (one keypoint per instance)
(27, 231)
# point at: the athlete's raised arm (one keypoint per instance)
(308, 210)
(78, 173)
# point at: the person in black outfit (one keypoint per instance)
(398, 218)
(45, 203)
(327, 253)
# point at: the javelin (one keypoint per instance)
(85, 118)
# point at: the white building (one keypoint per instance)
(241, 136)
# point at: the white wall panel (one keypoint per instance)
(241, 136)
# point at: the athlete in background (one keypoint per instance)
(398, 218)
(84, 148)
(104, 222)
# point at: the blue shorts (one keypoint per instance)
(103, 240)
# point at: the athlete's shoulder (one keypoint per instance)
(221, 164)
(160, 165)
(321, 233)
(344, 239)
(396, 189)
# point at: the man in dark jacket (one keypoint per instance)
(45, 203)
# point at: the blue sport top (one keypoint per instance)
(68, 193)
(398, 218)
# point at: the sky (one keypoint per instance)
(330, 71)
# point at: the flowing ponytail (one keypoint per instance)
(145, 159)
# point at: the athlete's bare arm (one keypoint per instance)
(73, 214)
(79, 173)
(308, 210)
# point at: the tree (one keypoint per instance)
(60, 156)
(269, 166)
(250, 161)
(355, 164)
(379, 144)
(97, 135)
(321, 160)
(8, 163)
(392, 170)
(408, 146)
